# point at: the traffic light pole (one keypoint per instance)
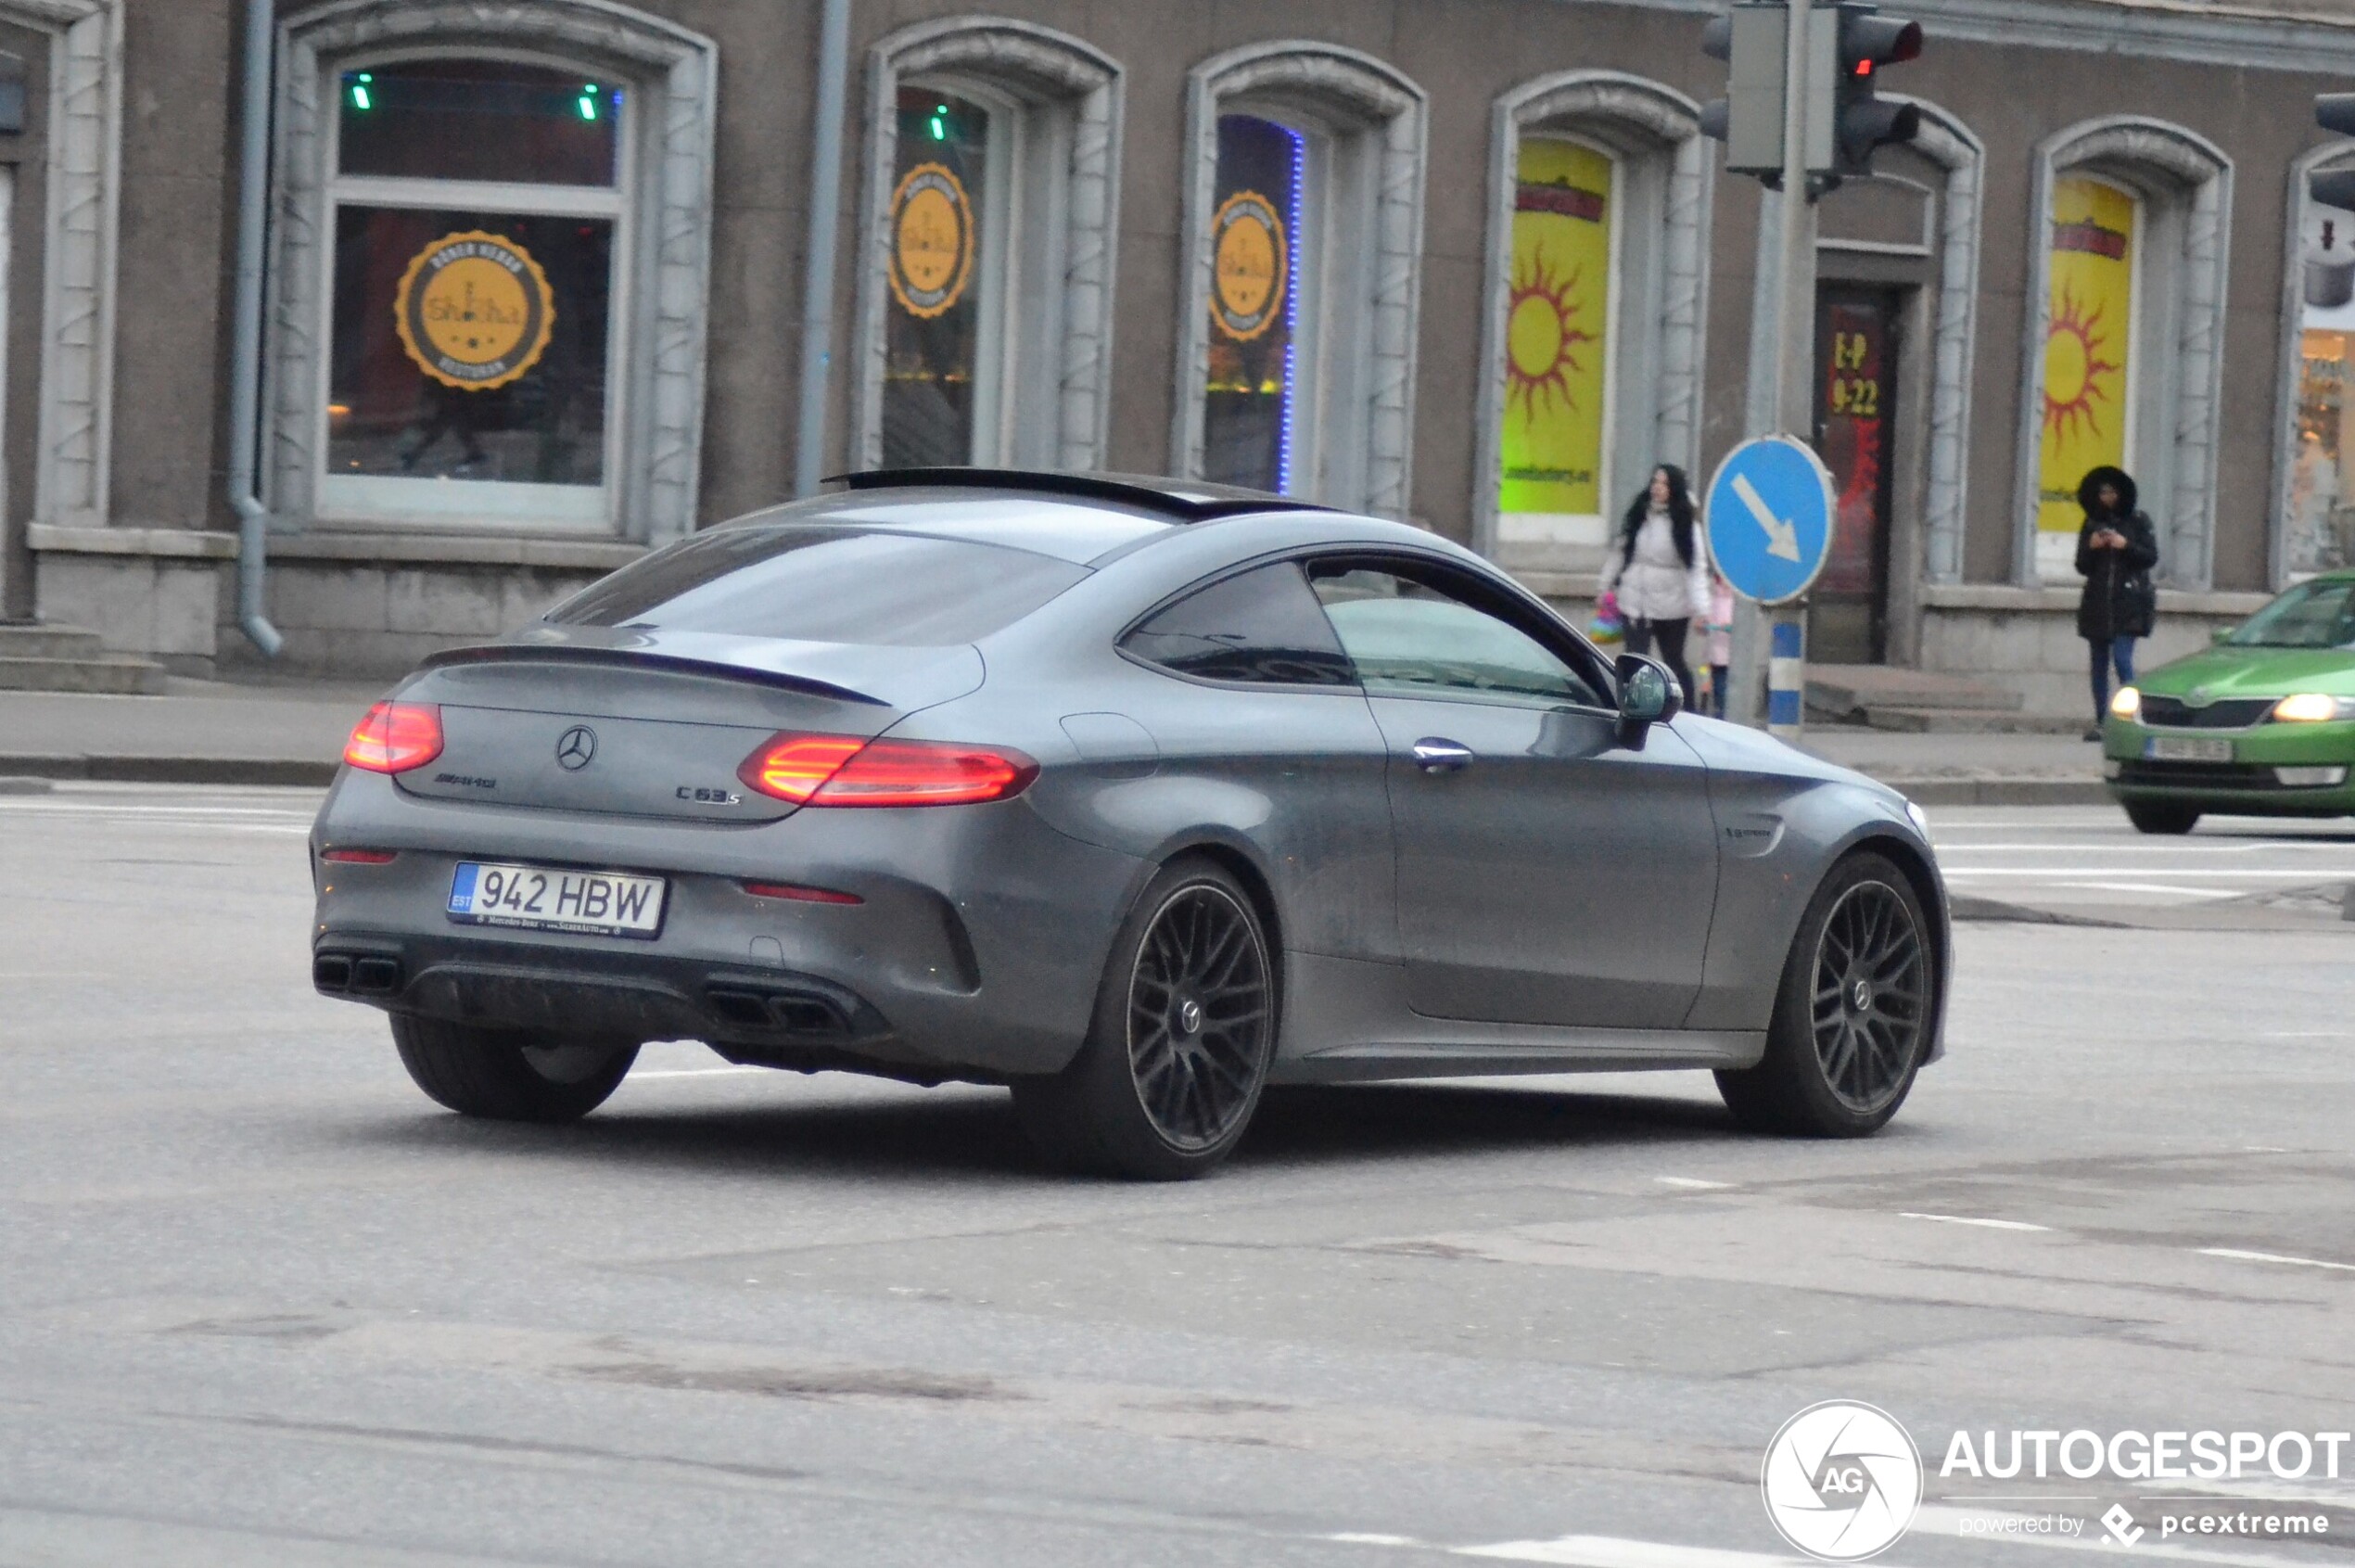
(1770, 643)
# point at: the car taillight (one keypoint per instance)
(359, 856)
(847, 770)
(395, 738)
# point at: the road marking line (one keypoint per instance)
(1362, 1539)
(2239, 1256)
(2153, 887)
(1694, 1182)
(1972, 1219)
(1609, 1551)
(2278, 874)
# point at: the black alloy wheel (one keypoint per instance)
(1870, 998)
(1199, 1015)
(1185, 1026)
(1854, 1014)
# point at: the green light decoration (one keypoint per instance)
(589, 100)
(360, 98)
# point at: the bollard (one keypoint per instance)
(1787, 673)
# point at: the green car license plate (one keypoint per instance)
(2186, 748)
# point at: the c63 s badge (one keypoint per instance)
(475, 310)
(705, 796)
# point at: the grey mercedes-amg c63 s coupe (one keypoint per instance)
(1133, 794)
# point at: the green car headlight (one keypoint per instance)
(2313, 708)
(2126, 705)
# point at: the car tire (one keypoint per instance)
(507, 1075)
(2161, 816)
(1178, 1048)
(1839, 1061)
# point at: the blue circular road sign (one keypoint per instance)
(1769, 517)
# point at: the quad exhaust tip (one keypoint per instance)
(344, 973)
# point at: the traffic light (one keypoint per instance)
(1862, 121)
(1749, 120)
(2334, 111)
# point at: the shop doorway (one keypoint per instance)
(1856, 382)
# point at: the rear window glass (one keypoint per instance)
(825, 585)
(1262, 626)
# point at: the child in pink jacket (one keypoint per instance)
(1720, 627)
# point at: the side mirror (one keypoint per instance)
(1648, 695)
(2220, 635)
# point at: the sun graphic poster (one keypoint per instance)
(1554, 334)
(2085, 344)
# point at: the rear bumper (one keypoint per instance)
(975, 950)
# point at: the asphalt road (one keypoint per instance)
(262, 1304)
(2091, 861)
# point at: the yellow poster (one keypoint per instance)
(1554, 337)
(2085, 344)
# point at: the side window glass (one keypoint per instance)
(1407, 638)
(1262, 626)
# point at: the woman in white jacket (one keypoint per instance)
(1657, 573)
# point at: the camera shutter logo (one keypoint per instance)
(473, 311)
(575, 748)
(932, 241)
(1841, 1481)
(1248, 261)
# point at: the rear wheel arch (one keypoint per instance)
(1246, 869)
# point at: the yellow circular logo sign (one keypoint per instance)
(475, 310)
(932, 241)
(1247, 265)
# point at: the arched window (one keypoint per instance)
(1597, 247)
(2313, 512)
(491, 223)
(2125, 331)
(1303, 238)
(993, 162)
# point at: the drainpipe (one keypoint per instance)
(825, 223)
(245, 366)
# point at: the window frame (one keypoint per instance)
(2183, 186)
(615, 203)
(1063, 100)
(1375, 121)
(1480, 593)
(672, 73)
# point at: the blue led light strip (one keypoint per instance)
(1291, 312)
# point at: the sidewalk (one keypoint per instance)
(292, 733)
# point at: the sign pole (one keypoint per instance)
(1782, 381)
(1794, 287)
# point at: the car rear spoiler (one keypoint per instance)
(642, 659)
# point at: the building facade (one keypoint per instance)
(535, 276)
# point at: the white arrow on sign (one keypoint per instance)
(1782, 538)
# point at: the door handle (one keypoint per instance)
(1435, 754)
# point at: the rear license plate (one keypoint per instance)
(597, 903)
(2184, 749)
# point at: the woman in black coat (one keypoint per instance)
(2115, 550)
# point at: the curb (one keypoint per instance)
(279, 770)
(2003, 792)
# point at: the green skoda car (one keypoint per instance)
(2261, 724)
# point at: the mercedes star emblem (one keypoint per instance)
(575, 748)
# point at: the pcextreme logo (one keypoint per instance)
(1841, 1481)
